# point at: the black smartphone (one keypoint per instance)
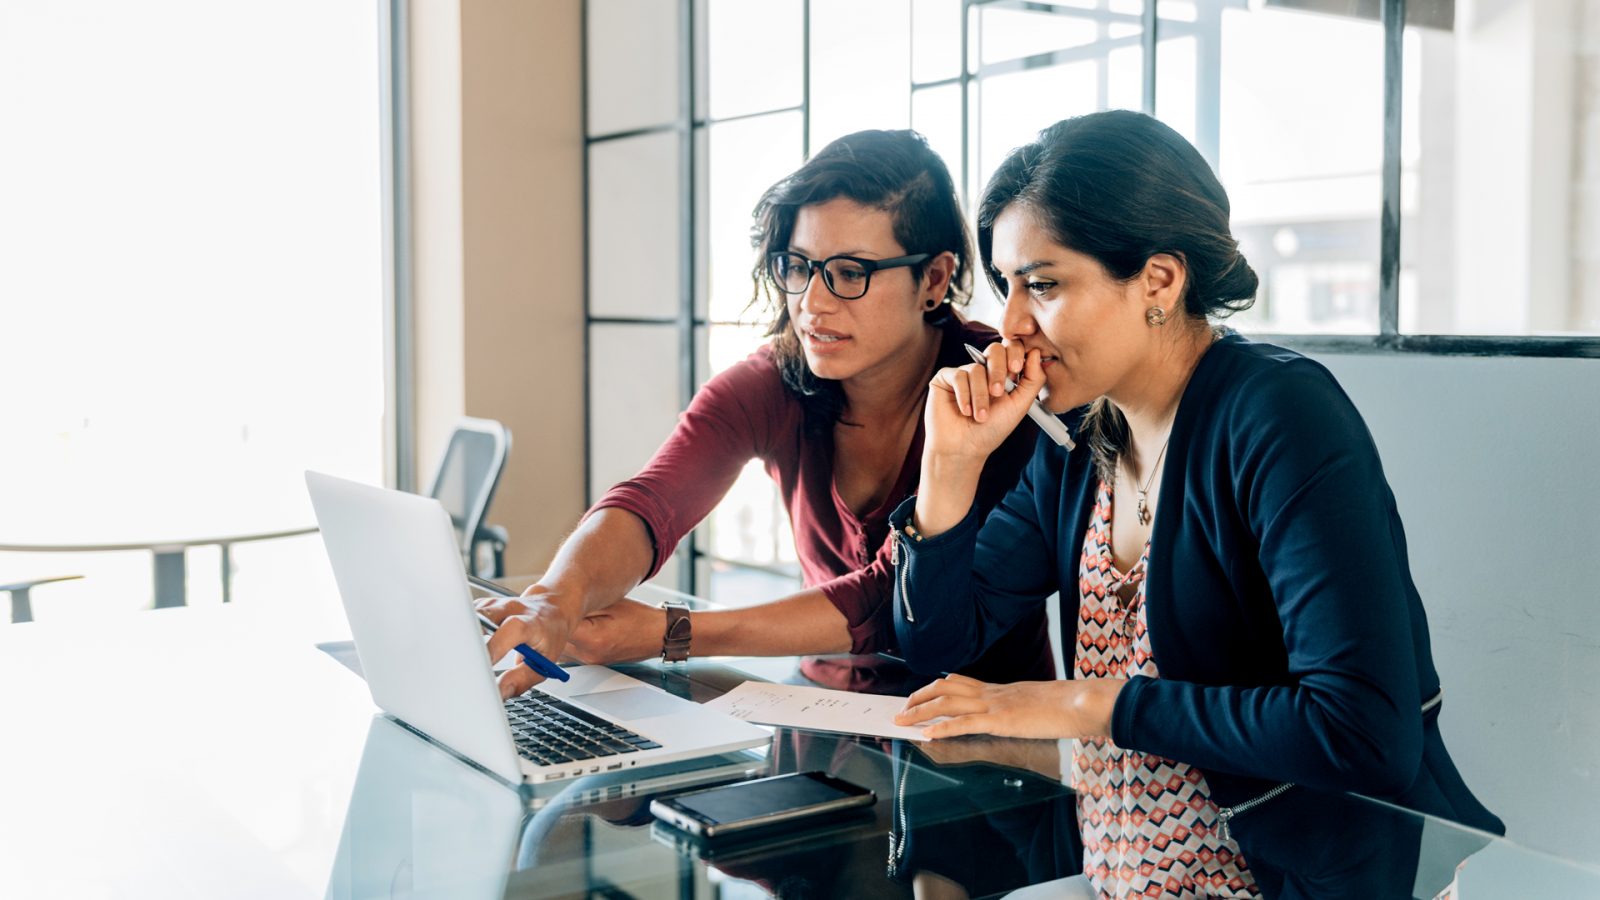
(751, 806)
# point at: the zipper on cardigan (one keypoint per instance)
(894, 560)
(1225, 814)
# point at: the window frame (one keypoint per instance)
(691, 122)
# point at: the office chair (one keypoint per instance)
(465, 484)
(21, 608)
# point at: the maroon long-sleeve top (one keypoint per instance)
(745, 413)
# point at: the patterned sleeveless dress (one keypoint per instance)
(1148, 823)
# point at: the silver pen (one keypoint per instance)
(1041, 417)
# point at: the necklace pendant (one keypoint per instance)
(1143, 512)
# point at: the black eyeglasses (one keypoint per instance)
(846, 276)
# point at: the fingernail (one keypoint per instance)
(983, 414)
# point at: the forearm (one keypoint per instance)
(946, 492)
(605, 558)
(802, 623)
(1331, 736)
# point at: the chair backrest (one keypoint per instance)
(468, 474)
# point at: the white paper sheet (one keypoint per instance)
(817, 709)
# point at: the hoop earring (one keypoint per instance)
(1155, 316)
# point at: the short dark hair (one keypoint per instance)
(1121, 187)
(895, 171)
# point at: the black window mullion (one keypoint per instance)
(1439, 345)
(667, 128)
(911, 64)
(686, 191)
(400, 299)
(966, 106)
(1151, 17)
(588, 312)
(1394, 17)
(805, 79)
(708, 121)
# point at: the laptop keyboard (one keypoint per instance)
(551, 731)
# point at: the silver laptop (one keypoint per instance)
(405, 592)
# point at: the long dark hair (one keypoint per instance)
(1121, 187)
(894, 171)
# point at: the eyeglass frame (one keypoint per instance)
(813, 266)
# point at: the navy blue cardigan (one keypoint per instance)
(1290, 638)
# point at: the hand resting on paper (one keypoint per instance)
(1028, 709)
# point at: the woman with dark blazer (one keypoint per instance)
(1239, 614)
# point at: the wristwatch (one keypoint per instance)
(675, 647)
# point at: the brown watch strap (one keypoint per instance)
(675, 647)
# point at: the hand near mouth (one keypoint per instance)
(964, 422)
(969, 414)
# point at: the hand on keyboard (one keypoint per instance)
(531, 619)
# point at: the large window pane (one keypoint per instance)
(1288, 107)
(750, 526)
(753, 56)
(1044, 63)
(634, 379)
(1006, 32)
(1014, 107)
(191, 280)
(1282, 97)
(634, 64)
(635, 249)
(936, 114)
(745, 157)
(935, 40)
(860, 67)
(1501, 207)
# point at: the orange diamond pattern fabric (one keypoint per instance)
(1148, 823)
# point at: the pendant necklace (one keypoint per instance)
(1143, 511)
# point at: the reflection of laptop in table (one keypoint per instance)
(400, 575)
(421, 824)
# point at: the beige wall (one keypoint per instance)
(497, 150)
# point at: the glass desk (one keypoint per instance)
(215, 752)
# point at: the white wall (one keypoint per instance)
(1492, 462)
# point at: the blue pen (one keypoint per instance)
(535, 660)
(538, 663)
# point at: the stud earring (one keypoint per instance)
(931, 304)
(1155, 316)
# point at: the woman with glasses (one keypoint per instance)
(1230, 556)
(862, 256)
